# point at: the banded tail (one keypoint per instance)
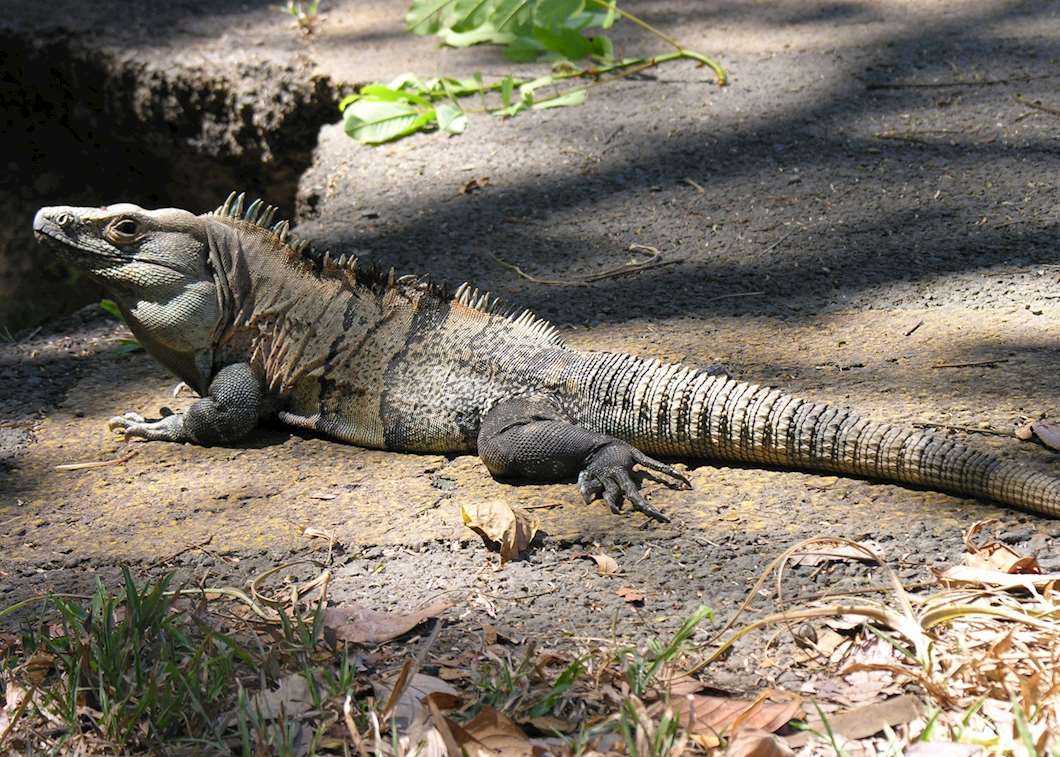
(677, 411)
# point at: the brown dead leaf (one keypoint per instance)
(290, 699)
(38, 666)
(502, 527)
(475, 184)
(410, 703)
(676, 683)
(863, 721)
(1048, 432)
(631, 595)
(822, 552)
(359, 625)
(941, 749)
(962, 575)
(708, 715)
(492, 733)
(756, 743)
(605, 564)
(997, 556)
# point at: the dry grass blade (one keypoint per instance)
(100, 463)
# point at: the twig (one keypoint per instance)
(654, 261)
(966, 429)
(100, 463)
(694, 185)
(972, 365)
(734, 294)
(175, 555)
(1037, 105)
(912, 330)
(777, 243)
(29, 336)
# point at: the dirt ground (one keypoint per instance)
(871, 200)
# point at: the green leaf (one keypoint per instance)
(451, 118)
(485, 34)
(612, 11)
(111, 307)
(507, 83)
(603, 48)
(555, 13)
(347, 101)
(524, 50)
(512, 110)
(574, 97)
(127, 346)
(375, 121)
(566, 42)
(379, 92)
(464, 22)
(526, 92)
(409, 82)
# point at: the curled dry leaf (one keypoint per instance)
(863, 721)
(757, 743)
(1047, 431)
(605, 564)
(822, 552)
(359, 625)
(290, 699)
(410, 704)
(709, 716)
(489, 733)
(501, 526)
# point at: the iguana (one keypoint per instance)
(264, 327)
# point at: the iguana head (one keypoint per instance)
(157, 266)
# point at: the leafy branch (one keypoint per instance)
(529, 30)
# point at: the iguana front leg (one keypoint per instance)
(530, 439)
(228, 413)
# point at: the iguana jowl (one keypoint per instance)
(263, 327)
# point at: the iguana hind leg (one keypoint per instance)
(228, 413)
(530, 439)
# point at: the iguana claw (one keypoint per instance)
(132, 425)
(607, 475)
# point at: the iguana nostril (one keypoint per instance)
(64, 219)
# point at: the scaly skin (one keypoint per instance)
(262, 327)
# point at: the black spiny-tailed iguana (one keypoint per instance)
(262, 327)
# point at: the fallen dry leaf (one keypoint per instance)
(997, 556)
(863, 721)
(290, 699)
(605, 564)
(1048, 432)
(757, 744)
(489, 733)
(359, 625)
(475, 184)
(717, 716)
(958, 575)
(941, 749)
(410, 703)
(824, 552)
(628, 593)
(501, 526)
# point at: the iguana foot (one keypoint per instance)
(608, 475)
(529, 439)
(170, 428)
(228, 413)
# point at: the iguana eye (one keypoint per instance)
(123, 231)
